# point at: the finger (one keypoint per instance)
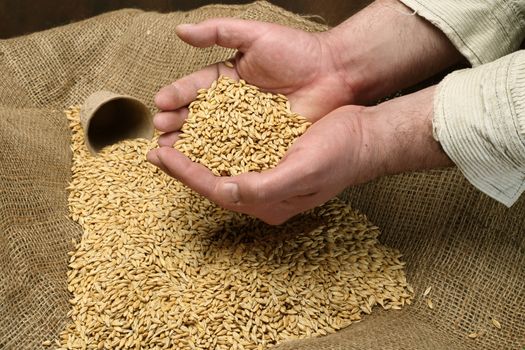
(181, 92)
(226, 32)
(230, 192)
(309, 201)
(277, 219)
(194, 175)
(170, 121)
(201, 180)
(281, 212)
(153, 158)
(168, 139)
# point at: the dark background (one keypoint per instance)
(18, 17)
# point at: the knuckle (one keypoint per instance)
(261, 192)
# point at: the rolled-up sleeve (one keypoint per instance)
(482, 30)
(479, 119)
(479, 113)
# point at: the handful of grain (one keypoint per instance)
(233, 128)
(159, 266)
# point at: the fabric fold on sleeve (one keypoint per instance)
(479, 119)
(481, 30)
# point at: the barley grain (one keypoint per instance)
(249, 130)
(159, 266)
(496, 323)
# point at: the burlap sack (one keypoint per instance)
(470, 249)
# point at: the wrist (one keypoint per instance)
(385, 48)
(400, 135)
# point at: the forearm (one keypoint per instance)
(386, 47)
(475, 119)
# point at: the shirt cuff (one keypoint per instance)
(479, 119)
(481, 30)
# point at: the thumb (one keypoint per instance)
(226, 32)
(271, 186)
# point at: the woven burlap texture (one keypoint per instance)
(470, 249)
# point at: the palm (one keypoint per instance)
(296, 64)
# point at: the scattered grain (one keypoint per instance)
(427, 291)
(159, 266)
(496, 323)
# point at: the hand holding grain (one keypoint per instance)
(349, 146)
(371, 55)
(299, 182)
(275, 58)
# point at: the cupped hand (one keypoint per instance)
(278, 59)
(333, 153)
(349, 146)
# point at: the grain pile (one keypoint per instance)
(233, 128)
(158, 266)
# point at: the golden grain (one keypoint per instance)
(159, 266)
(496, 323)
(230, 128)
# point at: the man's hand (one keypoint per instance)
(275, 58)
(374, 53)
(319, 164)
(349, 146)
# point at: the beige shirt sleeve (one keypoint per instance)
(479, 113)
(482, 30)
(479, 119)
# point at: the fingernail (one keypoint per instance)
(153, 158)
(231, 192)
